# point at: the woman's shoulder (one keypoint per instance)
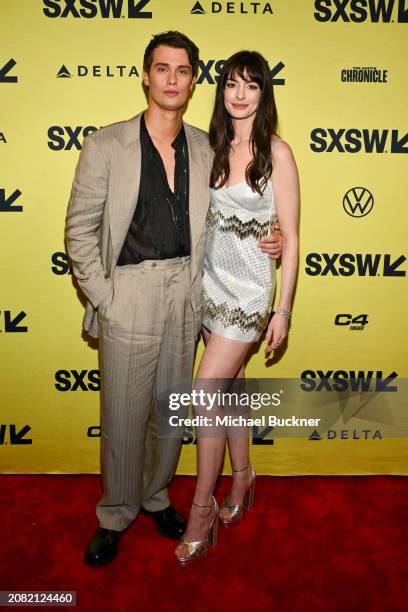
(280, 148)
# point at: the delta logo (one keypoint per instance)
(89, 9)
(82, 70)
(242, 8)
(360, 11)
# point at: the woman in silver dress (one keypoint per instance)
(254, 183)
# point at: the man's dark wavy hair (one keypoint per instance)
(250, 66)
(174, 39)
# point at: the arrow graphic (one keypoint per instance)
(11, 325)
(17, 437)
(390, 268)
(399, 145)
(6, 205)
(3, 72)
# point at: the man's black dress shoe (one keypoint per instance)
(169, 522)
(103, 547)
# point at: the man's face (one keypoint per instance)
(170, 79)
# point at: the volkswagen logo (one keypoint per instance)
(358, 202)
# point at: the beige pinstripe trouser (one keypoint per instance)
(146, 352)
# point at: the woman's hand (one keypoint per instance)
(272, 245)
(276, 332)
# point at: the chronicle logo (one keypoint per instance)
(356, 323)
(347, 434)
(243, 8)
(360, 264)
(5, 77)
(63, 138)
(358, 11)
(358, 202)
(348, 380)
(121, 70)
(7, 203)
(88, 9)
(354, 140)
(368, 74)
(209, 71)
(16, 436)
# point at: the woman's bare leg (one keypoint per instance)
(222, 359)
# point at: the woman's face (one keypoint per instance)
(241, 97)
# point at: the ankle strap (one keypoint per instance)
(245, 468)
(202, 505)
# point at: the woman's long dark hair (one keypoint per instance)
(251, 66)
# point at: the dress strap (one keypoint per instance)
(275, 142)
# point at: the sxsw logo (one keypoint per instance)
(260, 437)
(354, 140)
(358, 202)
(209, 71)
(244, 8)
(5, 77)
(12, 321)
(8, 203)
(348, 380)
(121, 70)
(15, 435)
(64, 138)
(77, 380)
(60, 266)
(358, 11)
(349, 264)
(88, 9)
(354, 323)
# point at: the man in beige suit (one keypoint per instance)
(135, 232)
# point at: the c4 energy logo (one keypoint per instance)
(357, 264)
(64, 138)
(243, 8)
(354, 323)
(358, 202)
(348, 380)
(7, 203)
(88, 9)
(12, 322)
(210, 70)
(5, 77)
(17, 435)
(359, 11)
(121, 70)
(354, 140)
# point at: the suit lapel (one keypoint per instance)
(125, 183)
(199, 195)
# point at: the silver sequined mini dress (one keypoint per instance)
(239, 279)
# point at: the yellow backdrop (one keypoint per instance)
(340, 84)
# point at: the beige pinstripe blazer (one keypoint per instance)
(103, 199)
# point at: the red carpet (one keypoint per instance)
(309, 544)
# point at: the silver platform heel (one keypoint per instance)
(236, 511)
(196, 551)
